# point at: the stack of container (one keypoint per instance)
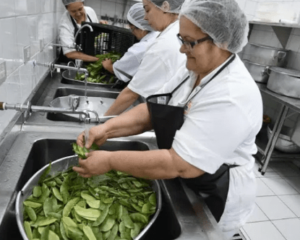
(258, 59)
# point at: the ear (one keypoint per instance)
(165, 6)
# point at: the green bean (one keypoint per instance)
(88, 232)
(44, 222)
(37, 191)
(45, 233)
(114, 232)
(69, 206)
(102, 216)
(31, 213)
(138, 217)
(57, 194)
(107, 224)
(27, 229)
(127, 221)
(32, 204)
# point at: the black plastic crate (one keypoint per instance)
(105, 38)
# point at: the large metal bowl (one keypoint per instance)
(284, 142)
(69, 77)
(62, 165)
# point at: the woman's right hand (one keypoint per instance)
(97, 135)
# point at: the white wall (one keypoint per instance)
(24, 23)
(110, 8)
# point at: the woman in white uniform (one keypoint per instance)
(205, 125)
(161, 60)
(69, 24)
(127, 66)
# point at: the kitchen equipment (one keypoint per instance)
(69, 77)
(106, 38)
(62, 165)
(284, 81)
(265, 55)
(284, 142)
(97, 106)
(258, 72)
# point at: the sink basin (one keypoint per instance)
(98, 101)
(166, 226)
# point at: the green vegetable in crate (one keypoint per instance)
(110, 206)
(96, 72)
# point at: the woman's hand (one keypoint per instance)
(108, 65)
(96, 163)
(97, 135)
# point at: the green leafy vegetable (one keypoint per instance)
(81, 151)
(111, 206)
(97, 74)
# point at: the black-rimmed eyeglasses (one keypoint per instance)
(190, 45)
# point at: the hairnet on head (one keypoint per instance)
(222, 20)
(171, 6)
(67, 2)
(136, 16)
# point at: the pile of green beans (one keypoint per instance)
(113, 206)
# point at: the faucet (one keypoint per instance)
(79, 30)
(77, 68)
(30, 108)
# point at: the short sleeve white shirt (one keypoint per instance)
(221, 121)
(131, 60)
(159, 64)
(66, 28)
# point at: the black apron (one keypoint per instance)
(62, 58)
(166, 120)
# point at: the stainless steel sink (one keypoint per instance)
(31, 151)
(29, 146)
(98, 101)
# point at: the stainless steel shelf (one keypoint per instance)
(266, 147)
(281, 24)
(291, 103)
(262, 141)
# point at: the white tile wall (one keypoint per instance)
(111, 8)
(24, 23)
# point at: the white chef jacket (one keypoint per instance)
(66, 28)
(131, 60)
(220, 126)
(159, 63)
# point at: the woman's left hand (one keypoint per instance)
(96, 163)
(108, 65)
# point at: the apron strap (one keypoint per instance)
(180, 84)
(217, 73)
(75, 24)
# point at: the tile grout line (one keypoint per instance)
(279, 230)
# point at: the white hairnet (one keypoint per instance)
(136, 15)
(222, 20)
(67, 2)
(171, 6)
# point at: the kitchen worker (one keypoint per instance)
(127, 66)
(205, 125)
(161, 60)
(69, 24)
